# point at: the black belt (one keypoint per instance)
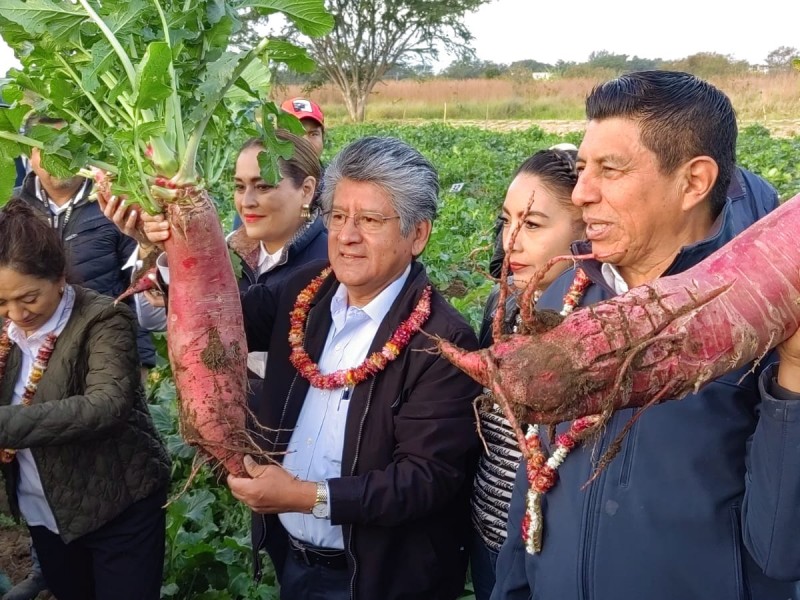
(316, 556)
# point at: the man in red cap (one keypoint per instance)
(310, 115)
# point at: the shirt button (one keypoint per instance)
(310, 442)
(338, 347)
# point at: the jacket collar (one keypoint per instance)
(722, 231)
(249, 249)
(29, 188)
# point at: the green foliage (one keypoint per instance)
(776, 159)
(708, 64)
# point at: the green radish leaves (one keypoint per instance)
(305, 14)
(153, 82)
(147, 87)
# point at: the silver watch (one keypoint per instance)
(320, 509)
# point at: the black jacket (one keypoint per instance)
(96, 252)
(410, 443)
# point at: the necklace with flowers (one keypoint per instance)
(373, 364)
(38, 369)
(542, 471)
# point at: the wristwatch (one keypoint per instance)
(320, 508)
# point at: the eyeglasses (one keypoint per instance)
(367, 222)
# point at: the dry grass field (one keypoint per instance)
(758, 98)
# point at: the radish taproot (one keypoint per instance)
(153, 96)
(659, 341)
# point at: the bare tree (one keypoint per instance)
(781, 58)
(372, 36)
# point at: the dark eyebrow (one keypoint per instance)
(536, 213)
(530, 213)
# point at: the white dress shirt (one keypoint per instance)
(316, 445)
(614, 278)
(32, 501)
(257, 361)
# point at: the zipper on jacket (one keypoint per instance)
(589, 533)
(628, 450)
(283, 413)
(257, 573)
(352, 473)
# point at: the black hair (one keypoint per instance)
(28, 244)
(556, 169)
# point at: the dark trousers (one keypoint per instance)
(301, 581)
(123, 560)
(482, 566)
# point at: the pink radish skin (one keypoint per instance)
(205, 333)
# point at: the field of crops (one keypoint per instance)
(208, 553)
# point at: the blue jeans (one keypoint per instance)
(483, 562)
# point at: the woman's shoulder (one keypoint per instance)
(91, 305)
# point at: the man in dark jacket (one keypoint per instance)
(97, 251)
(701, 501)
(377, 437)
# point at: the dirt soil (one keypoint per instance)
(15, 555)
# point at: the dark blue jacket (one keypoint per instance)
(96, 252)
(702, 501)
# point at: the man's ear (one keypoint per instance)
(699, 176)
(420, 235)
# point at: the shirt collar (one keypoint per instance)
(55, 323)
(376, 309)
(55, 208)
(266, 260)
(613, 278)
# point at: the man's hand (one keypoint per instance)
(789, 367)
(272, 489)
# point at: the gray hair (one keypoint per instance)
(410, 180)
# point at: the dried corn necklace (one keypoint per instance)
(542, 470)
(373, 364)
(37, 370)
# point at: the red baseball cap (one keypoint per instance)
(303, 108)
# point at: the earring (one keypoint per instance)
(61, 290)
(305, 212)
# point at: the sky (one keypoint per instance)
(547, 30)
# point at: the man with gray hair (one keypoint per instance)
(375, 433)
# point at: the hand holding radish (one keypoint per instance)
(156, 229)
(271, 489)
(125, 217)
